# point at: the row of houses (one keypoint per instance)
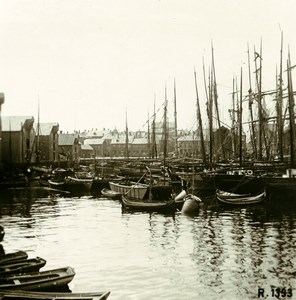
(24, 141)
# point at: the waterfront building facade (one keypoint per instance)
(18, 136)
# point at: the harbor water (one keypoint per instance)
(220, 253)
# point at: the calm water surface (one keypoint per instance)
(221, 253)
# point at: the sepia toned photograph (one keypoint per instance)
(147, 149)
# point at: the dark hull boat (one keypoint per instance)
(22, 266)
(14, 256)
(281, 183)
(24, 295)
(240, 184)
(72, 183)
(38, 281)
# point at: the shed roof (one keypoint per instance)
(45, 128)
(87, 147)
(15, 123)
(67, 139)
(94, 141)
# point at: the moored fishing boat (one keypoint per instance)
(38, 281)
(22, 266)
(110, 194)
(132, 190)
(148, 205)
(242, 183)
(17, 295)
(13, 256)
(73, 182)
(231, 198)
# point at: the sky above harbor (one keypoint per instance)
(89, 63)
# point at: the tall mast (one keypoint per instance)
(38, 134)
(241, 120)
(148, 138)
(207, 96)
(126, 137)
(153, 139)
(259, 86)
(280, 105)
(291, 112)
(233, 123)
(210, 116)
(165, 133)
(175, 115)
(199, 122)
(253, 132)
(216, 104)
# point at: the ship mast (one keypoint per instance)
(199, 122)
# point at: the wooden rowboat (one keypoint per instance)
(17, 295)
(147, 204)
(22, 266)
(241, 199)
(134, 190)
(110, 194)
(224, 194)
(38, 281)
(14, 256)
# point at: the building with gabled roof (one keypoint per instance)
(17, 139)
(139, 147)
(118, 145)
(68, 147)
(86, 151)
(46, 142)
(98, 145)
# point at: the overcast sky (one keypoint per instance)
(89, 61)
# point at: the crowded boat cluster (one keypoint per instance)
(21, 278)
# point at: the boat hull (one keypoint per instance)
(241, 199)
(14, 256)
(135, 191)
(22, 266)
(39, 281)
(12, 294)
(110, 194)
(148, 205)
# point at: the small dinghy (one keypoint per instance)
(38, 281)
(147, 205)
(14, 256)
(18, 295)
(22, 266)
(239, 199)
(110, 194)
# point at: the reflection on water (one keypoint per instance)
(222, 253)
